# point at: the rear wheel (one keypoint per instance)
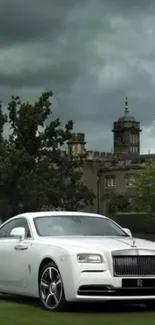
(51, 291)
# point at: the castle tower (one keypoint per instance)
(76, 145)
(126, 132)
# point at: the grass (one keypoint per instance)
(14, 311)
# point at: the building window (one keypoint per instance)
(133, 138)
(110, 181)
(130, 138)
(133, 149)
(129, 180)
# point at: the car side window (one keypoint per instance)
(7, 228)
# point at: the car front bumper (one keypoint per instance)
(98, 284)
(104, 287)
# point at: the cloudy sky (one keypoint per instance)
(91, 53)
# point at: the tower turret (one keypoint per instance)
(126, 132)
(76, 145)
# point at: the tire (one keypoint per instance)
(51, 290)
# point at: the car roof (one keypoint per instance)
(31, 215)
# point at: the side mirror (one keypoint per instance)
(128, 231)
(18, 232)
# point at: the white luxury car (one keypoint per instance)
(64, 257)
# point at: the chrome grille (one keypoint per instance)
(134, 265)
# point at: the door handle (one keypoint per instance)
(20, 247)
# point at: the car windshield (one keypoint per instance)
(76, 226)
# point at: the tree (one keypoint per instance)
(144, 200)
(118, 203)
(35, 172)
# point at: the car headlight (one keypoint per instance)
(89, 258)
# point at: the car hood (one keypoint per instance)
(99, 243)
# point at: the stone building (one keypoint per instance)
(106, 173)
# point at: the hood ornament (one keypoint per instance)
(133, 243)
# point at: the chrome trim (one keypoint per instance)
(20, 247)
(134, 252)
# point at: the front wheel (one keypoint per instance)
(51, 291)
(150, 304)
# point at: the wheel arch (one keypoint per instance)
(63, 303)
(46, 259)
(44, 262)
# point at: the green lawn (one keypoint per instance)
(20, 312)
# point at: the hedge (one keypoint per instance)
(136, 222)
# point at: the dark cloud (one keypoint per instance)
(92, 53)
(132, 6)
(24, 21)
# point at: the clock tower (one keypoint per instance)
(126, 132)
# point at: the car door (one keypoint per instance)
(13, 269)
